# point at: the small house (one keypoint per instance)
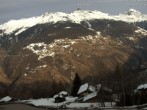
(64, 93)
(140, 95)
(85, 89)
(60, 97)
(86, 93)
(142, 89)
(94, 94)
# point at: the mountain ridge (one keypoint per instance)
(76, 17)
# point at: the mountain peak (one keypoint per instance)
(133, 12)
(77, 16)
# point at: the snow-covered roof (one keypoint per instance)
(143, 86)
(92, 88)
(90, 96)
(83, 88)
(55, 96)
(6, 99)
(60, 94)
(98, 87)
(63, 93)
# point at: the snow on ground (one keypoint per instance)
(25, 74)
(83, 105)
(66, 46)
(40, 49)
(141, 31)
(67, 27)
(69, 103)
(138, 47)
(49, 101)
(43, 50)
(71, 99)
(42, 66)
(42, 102)
(90, 105)
(6, 99)
(76, 17)
(131, 38)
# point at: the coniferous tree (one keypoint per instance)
(76, 85)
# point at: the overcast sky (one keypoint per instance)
(16, 9)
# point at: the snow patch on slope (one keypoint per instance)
(43, 50)
(42, 66)
(40, 49)
(141, 31)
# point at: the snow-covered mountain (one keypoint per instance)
(21, 25)
(46, 51)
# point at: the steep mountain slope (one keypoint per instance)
(43, 53)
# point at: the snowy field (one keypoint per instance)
(68, 104)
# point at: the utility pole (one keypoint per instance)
(57, 102)
(122, 84)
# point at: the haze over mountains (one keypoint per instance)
(40, 55)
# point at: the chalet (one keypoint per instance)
(60, 97)
(142, 89)
(137, 97)
(141, 94)
(94, 94)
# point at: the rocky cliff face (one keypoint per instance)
(41, 59)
